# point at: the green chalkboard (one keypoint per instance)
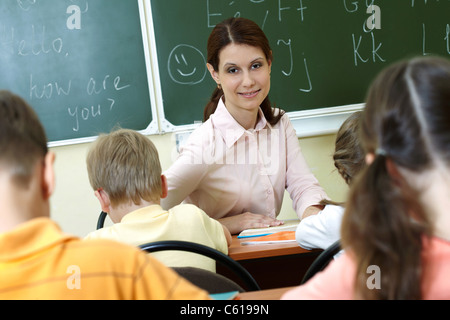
(79, 63)
(326, 52)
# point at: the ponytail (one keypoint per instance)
(378, 227)
(211, 106)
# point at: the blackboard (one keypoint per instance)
(79, 63)
(326, 52)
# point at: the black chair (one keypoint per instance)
(101, 220)
(207, 280)
(322, 261)
(209, 252)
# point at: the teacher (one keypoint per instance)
(238, 163)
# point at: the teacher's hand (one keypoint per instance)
(248, 220)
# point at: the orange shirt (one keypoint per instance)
(38, 261)
(336, 282)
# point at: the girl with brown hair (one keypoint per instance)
(396, 227)
(323, 229)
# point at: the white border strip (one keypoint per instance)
(321, 121)
(308, 123)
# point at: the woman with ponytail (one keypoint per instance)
(238, 164)
(396, 226)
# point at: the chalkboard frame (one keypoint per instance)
(153, 127)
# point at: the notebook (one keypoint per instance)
(289, 225)
(277, 237)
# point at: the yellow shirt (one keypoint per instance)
(38, 261)
(184, 222)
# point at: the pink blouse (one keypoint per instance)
(227, 170)
(337, 281)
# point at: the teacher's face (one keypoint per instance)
(244, 74)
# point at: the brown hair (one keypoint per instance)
(348, 156)
(405, 122)
(125, 164)
(23, 141)
(238, 31)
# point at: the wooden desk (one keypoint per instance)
(238, 252)
(272, 265)
(270, 294)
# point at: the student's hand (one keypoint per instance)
(312, 210)
(248, 220)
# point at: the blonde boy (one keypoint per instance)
(125, 173)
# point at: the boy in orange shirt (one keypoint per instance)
(39, 261)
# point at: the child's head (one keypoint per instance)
(125, 164)
(348, 155)
(23, 141)
(398, 197)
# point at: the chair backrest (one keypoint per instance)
(207, 280)
(322, 261)
(218, 256)
(101, 220)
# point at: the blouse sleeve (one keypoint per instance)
(302, 185)
(186, 173)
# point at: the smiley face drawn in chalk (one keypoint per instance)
(186, 65)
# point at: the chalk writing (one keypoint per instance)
(446, 38)
(82, 74)
(308, 77)
(186, 65)
(282, 8)
(94, 87)
(83, 113)
(38, 43)
(424, 1)
(289, 45)
(26, 4)
(369, 26)
(375, 48)
(440, 46)
(47, 90)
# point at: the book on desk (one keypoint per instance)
(288, 225)
(277, 234)
(277, 237)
